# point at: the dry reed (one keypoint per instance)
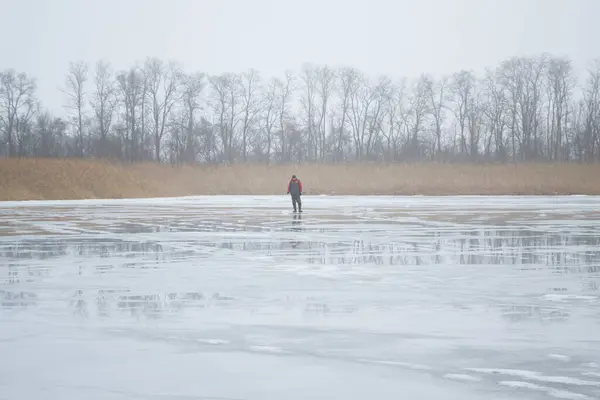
(37, 179)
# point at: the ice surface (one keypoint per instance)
(236, 297)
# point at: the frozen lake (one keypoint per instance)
(234, 297)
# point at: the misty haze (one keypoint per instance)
(299, 200)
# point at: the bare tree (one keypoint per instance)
(463, 95)
(227, 107)
(590, 107)
(131, 85)
(347, 78)
(184, 138)
(163, 92)
(269, 108)
(496, 111)
(249, 85)
(438, 95)
(325, 86)
(75, 91)
(104, 103)
(17, 102)
(193, 86)
(522, 80)
(308, 79)
(395, 116)
(536, 71)
(25, 129)
(219, 86)
(418, 109)
(383, 88)
(286, 88)
(560, 87)
(366, 111)
(50, 136)
(475, 121)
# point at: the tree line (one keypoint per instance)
(525, 109)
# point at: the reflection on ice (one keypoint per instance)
(449, 294)
(560, 252)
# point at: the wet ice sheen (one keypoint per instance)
(234, 297)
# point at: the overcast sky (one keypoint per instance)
(395, 37)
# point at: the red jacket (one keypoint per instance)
(296, 181)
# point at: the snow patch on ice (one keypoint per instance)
(591, 365)
(559, 357)
(417, 367)
(521, 384)
(556, 393)
(567, 297)
(592, 374)
(505, 371)
(463, 377)
(213, 341)
(532, 375)
(267, 349)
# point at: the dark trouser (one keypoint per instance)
(296, 200)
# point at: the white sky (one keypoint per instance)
(395, 37)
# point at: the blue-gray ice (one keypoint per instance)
(236, 297)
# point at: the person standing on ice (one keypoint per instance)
(295, 190)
